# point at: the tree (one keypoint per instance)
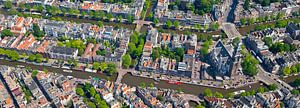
(215, 26)
(119, 18)
(295, 92)
(176, 24)
(31, 57)
(22, 6)
(251, 21)
(246, 4)
(268, 41)
(92, 91)
(249, 65)
(40, 8)
(80, 91)
(8, 4)
(126, 61)
(286, 71)
(261, 90)
(168, 24)
(272, 87)
(39, 58)
(6, 32)
(91, 14)
(218, 95)
(207, 92)
(100, 24)
(91, 105)
(155, 21)
(236, 41)
(83, 13)
(296, 83)
(111, 68)
(197, 27)
(34, 73)
(103, 66)
(243, 21)
(203, 6)
(155, 53)
(12, 12)
(37, 31)
(143, 85)
(281, 23)
(109, 16)
(230, 95)
(130, 18)
(294, 69)
(96, 65)
(200, 106)
(205, 27)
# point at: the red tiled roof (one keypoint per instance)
(26, 42)
(15, 43)
(42, 48)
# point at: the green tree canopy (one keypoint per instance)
(207, 92)
(249, 65)
(8, 4)
(79, 91)
(96, 65)
(168, 24)
(126, 61)
(6, 32)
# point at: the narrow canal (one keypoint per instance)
(132, 80)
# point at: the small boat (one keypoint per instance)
(68, 71)
(20, 66)
(70, 77)
(156, 79)
(174, 82)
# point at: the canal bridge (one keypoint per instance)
(230, 30)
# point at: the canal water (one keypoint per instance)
(75, 73)
(132, 80)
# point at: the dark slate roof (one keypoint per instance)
(293, 26)
(62, 50)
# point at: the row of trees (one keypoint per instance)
(250, 21)
(54, 10)
(109, 68)
(209, 93)
(91, 97)
(200, 7)
(11, 54)
(271, 87)
(290, 69)
(36, 57)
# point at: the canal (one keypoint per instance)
(131, 80)
(75, 73)
(136, 81)
(187, 88)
